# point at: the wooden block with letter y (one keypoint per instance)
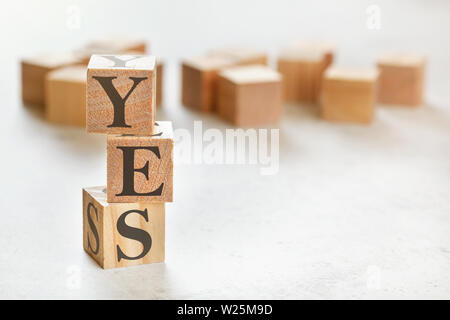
(140, 168)
(122, 234)
(120, 95)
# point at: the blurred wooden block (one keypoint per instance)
(34, 71)
(140, 168)
(326, 49)
(111, 45)
(401, 79)
(250, 95)
(120, 94)
(349, 95)
(65, 96)
(302, 66)
(199, 81)
(159, 82)
(242, 56)
(301, 76)
(122, 234)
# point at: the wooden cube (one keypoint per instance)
(122, 234)
(199, 81)
(65, 96)
(34, 71)
(349, 95)
(302, 67)
(326, 49)
(250, 95)
(242, 56)
(120, 94)
(401, 79)
(111, 45)
(159, 82)
(140, 168)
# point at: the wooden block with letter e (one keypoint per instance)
(349, 95)
(401, 79)
(250, 95)
(34, 71)
(65, 96)
(140, 168)
(302, 67)
(120, 94)
(199, 81)
(242, 56)
(122, 234)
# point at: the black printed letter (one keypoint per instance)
(93, 228)
(135, 234)
(117, 101)
(129, 170)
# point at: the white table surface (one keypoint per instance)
(354, 212)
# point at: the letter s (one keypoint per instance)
(93, 228)
(133, 233)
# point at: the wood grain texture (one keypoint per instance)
(103, 241)
(199, 81)
(159, 82)
(250, 96)
(401, 79)
(139, 107)
(302, 69)
(34, 71)
(349, 95)
(65, 96)
(160, 170)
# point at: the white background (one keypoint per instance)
(354, 212)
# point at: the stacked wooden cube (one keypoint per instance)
(124, 222)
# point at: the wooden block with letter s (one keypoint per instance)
(35, 69)
(401, 79)
(120, 96)
(122, 234)
(65, 96)
(140, 168)
(349, 94)
(250, 95)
